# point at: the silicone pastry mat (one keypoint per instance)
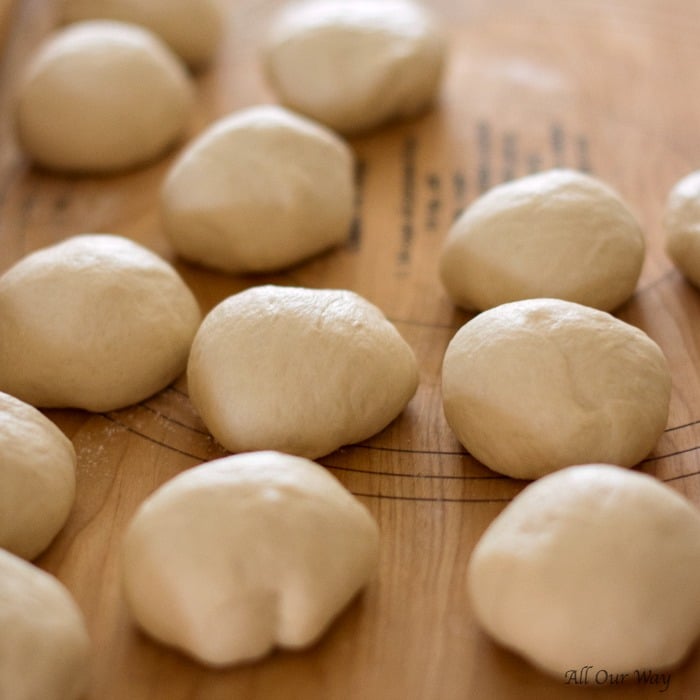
(606, 87)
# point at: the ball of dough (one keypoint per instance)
(260, 190)
(101, 96)
(95, 322)
(44, 646)
(536, 385)
(558, 234)
(302, 371)
(37, 479)
(593, 565)
(245, 553)
(192, 28)
(682, 222)
(355, 65)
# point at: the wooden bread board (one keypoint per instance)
(609, 87)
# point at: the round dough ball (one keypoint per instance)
(192, 28)
(355, 65)
(37, 479)
(682, 222)
(244, 553)
(44, 646)
(260, 190)
(102, 96)
(95, 322)
(536, 385)
(303, 371)
(591, 566)
(558, 234)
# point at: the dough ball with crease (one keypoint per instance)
(559, 233)
(591, 566)
(191, 28)
(536, 385)
(37, 478)
(303, 371)
(245, 553)
(45, 651)
(355, 65)
(101, 96)
(95, 322)
(682, 222)
(261, 189)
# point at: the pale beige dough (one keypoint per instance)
(245, 553)
(45, 651)
(37, 478)
(95, 322)
(261, 189)
(559, 233)
(355, 65)
(192, 28)
(303, 371)
(536, 385)
(593, 565)
(682, 223)
(101, 96)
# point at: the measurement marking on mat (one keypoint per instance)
(408, 199)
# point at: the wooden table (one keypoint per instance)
(610, 87)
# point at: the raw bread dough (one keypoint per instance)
(44, 645)
(37, 478)
(537, 385)
(96, 322)
(355, 65)
(682, 223)
(557, 234)
(303, 371)
(192, 28)
(261, 189)
(244, 553)
(591, 566)
(102, 96)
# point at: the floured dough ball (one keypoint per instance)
(682, 223)
(102, 96)
(37, 478)
(355, 65)
(245, 553)
(95, 322)
(260, 190)
(558, 234)
(591, 566)
(537, 385)
(303, 371)
(44, 646)
(192, 28)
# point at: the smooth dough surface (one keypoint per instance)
(302, 371)
(37, 478)
(95, 322)
(593, 565)
(259, 190)
(536, 385)
(101, 96)
(245, 553)
(355, 65)
(45, 651)
(682, 222)
(192, 28)
(560, 234)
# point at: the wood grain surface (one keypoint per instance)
(608, 86)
